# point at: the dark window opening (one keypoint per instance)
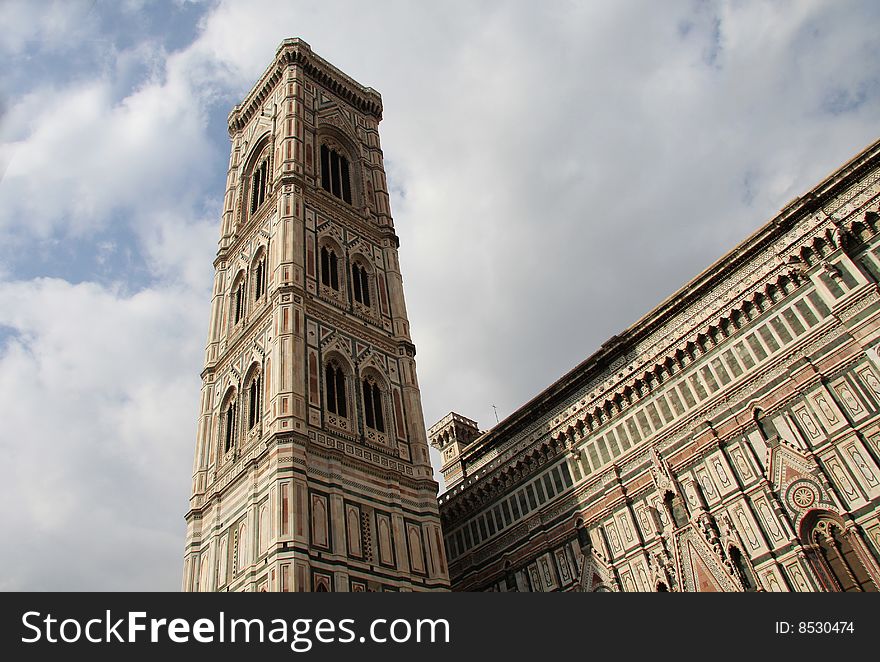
(373, 405)
(229, 426)
(360, 284)
(329, 268)
(259, 179)
(260, 279)
(334, 174)
(238, 304)
(334, 380)
(254, 403)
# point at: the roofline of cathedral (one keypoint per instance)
(618, 345)
(296, 51)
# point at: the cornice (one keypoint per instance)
(293, 52)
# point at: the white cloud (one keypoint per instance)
(58, 23)
(98, 421)
(80, 157)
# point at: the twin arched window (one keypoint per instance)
(360, 282)
(329, 268)
(259, 183)
(373, 416)
(229, 411)
(254, 393)
(259, 275)
(238, 301)
(360, 275)
(228, 424)
(336, 393)
(334, 173)
(334, 379)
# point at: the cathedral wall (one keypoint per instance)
(695, 450)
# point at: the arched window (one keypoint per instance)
(373, 405)
(360, 283)
(329, 268)
(254, 393)
(259, 183)
(334, 173)
(833, 548)
(258, 273)
(238, 300)
(334, 380)
(228, 425)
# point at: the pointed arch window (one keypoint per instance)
(229, 425)
(334, 173)
(259, 181)
(334, 380)
(238, 302)
(259, 275)
(329, 268)
(254, 393)
(373, 415)
(360, 284)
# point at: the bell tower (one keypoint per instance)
(311, 468)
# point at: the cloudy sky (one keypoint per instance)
(557, 169)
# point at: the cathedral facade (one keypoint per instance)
(311, 468)
(727, 441)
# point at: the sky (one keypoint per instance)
(556, 170)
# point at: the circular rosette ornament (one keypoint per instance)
(802, 494)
